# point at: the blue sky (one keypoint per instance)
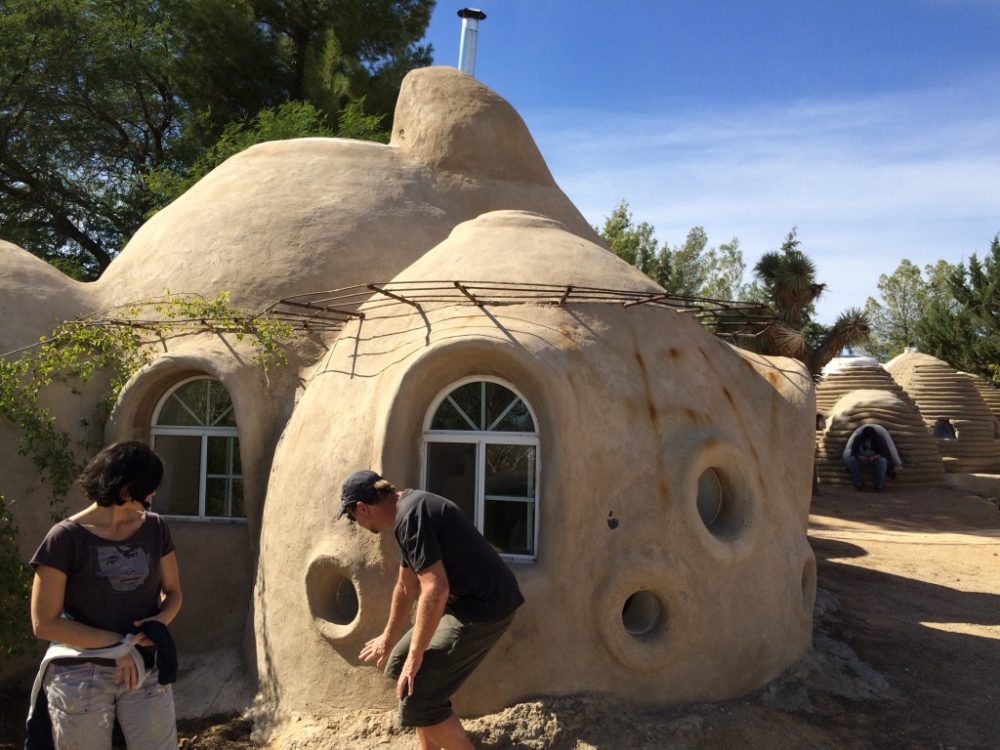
(873, 126)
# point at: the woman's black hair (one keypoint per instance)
(130, 465)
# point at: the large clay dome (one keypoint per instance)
(289, 217)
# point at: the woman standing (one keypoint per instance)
(100, 574)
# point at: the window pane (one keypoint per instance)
(518, 419)
(501, 404)
(178, 493)
(188, 405)
(451, 473)
(215, 497)
(448, 417)
(176, 412)
(469, 398)
(220, 405)
(218, 455)
(239, 509)
(510, 471)
(509, 526)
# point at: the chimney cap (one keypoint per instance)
(472, 13)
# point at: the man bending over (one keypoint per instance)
(466, 598)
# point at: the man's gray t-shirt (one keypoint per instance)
(430, 528)
(109, 584)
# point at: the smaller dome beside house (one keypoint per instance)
(918, 452)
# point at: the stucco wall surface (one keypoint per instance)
(632, 406)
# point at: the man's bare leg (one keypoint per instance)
(448, 735)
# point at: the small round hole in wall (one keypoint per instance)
(710, 497)
(332, 594)
(820, 422)
(642, 614)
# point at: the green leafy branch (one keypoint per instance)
(117, 344)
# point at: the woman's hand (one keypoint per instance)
(126, 673)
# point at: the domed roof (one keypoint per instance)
(34, 296)
(292, 217)
(864, 373)
(524, 247)
(837, 364)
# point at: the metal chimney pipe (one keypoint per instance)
(467, 47)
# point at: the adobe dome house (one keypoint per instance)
(648, 483)
(859, 391)
(607, 451)
(954, 412)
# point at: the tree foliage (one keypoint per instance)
(951, 311)
(788, 280)
(904, 295)
(692, 269)
(97, 94)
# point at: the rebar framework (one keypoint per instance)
(331, 310)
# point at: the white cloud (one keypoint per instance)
(868, 181)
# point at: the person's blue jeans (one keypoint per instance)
(879, 465)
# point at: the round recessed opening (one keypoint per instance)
(943, 430)
(642, 614)
(820, 422)
(332, 594)
(710, 497)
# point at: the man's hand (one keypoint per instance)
(408, 676)
(376, 650)
(125, 672)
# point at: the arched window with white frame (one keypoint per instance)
(194, 432)
(480, 450)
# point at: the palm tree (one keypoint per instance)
(788, 279)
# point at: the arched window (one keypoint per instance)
(194, 432)
(481, 452)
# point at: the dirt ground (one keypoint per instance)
(906, 655)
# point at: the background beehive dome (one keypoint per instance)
(866, 374)
(942, 393)
(891, 409)
(990, 394)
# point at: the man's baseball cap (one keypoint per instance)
(359, 487)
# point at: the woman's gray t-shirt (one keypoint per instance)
(109, 584)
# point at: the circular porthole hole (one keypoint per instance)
(332, 594)
(724, 503)
(642, 614)
(710, 497)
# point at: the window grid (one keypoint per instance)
(481, 438)
(205, 428)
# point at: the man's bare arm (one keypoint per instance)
(403, 595)
(433, 599)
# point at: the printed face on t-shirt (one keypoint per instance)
(126, 566)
